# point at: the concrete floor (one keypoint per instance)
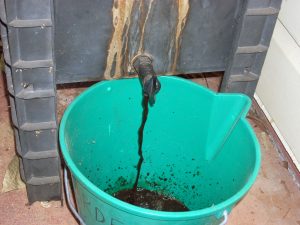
(274, 198)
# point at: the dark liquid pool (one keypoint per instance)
(150, 200)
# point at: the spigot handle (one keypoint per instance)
(144, 68)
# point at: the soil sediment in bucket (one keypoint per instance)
(142, 197)
(150, 200)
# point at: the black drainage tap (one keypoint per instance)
(144, 68)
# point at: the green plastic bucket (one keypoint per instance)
(198, 148)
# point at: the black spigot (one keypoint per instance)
(144, 68)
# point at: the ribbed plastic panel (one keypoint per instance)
(28, 28)
(251, 43)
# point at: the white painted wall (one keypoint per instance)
(279, 85)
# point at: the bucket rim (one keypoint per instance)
(215, 210)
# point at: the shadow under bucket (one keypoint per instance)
(198, 148)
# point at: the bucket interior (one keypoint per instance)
(198, 147)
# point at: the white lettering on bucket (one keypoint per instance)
(115, 222)
(99, 216)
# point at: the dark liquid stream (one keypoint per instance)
(140, 141)
(142, 197)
